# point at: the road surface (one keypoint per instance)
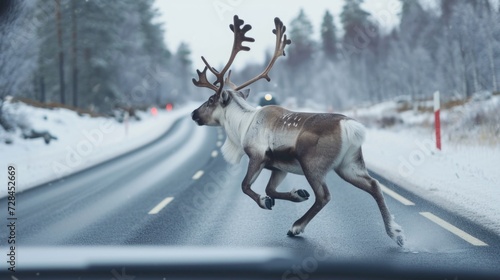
(179, 191)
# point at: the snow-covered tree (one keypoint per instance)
(118, 48)
(302, 49)
(17, 52)
(354, 20)
(328, 36)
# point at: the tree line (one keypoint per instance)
(92, 54)
(454, 49)
(99, 55)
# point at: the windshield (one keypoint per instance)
(354, 138)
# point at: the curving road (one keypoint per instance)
(179, 191)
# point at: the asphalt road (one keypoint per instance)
(177, 192)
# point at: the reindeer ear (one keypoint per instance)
(224, 98)
(245, 93)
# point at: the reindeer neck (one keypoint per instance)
(238, 117)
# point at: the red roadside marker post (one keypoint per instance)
(437, 119)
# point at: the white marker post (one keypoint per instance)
(437, 119)
(125, 121)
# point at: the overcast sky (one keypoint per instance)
(203, 24)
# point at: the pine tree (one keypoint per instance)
(183, 67)
(413, 21)
(118, 46)
(354, 19)
(328, 37)
(17, 53)
(302, 48)
(153, 32)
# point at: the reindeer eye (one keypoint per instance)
(210, 100)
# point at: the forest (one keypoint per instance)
(117, 56)
(454, 49)
(96, 55)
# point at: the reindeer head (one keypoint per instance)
(212, 111)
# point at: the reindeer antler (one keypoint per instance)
(279, 50)
(203, 81)
(239, 38)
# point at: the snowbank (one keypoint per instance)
(81, 142)
(463, 177)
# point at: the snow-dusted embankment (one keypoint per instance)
(464, 177)
(81, 142)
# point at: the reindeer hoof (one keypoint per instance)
(303, 193)
(400, 241)
(267, 202)
(299, 195)
(296, 230)
(396, 233)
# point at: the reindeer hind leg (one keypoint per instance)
(353, 170)
(315, 178)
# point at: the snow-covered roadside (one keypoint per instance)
(82, 142)
(463, 179)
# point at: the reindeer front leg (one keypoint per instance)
(255, 166)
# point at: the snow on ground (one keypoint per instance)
(463, 177)
(81, 142)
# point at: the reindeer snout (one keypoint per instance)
(196, 117)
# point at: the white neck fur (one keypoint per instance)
(238, 116)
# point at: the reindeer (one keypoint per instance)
(284, 141)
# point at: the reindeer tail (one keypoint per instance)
(353, 132)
